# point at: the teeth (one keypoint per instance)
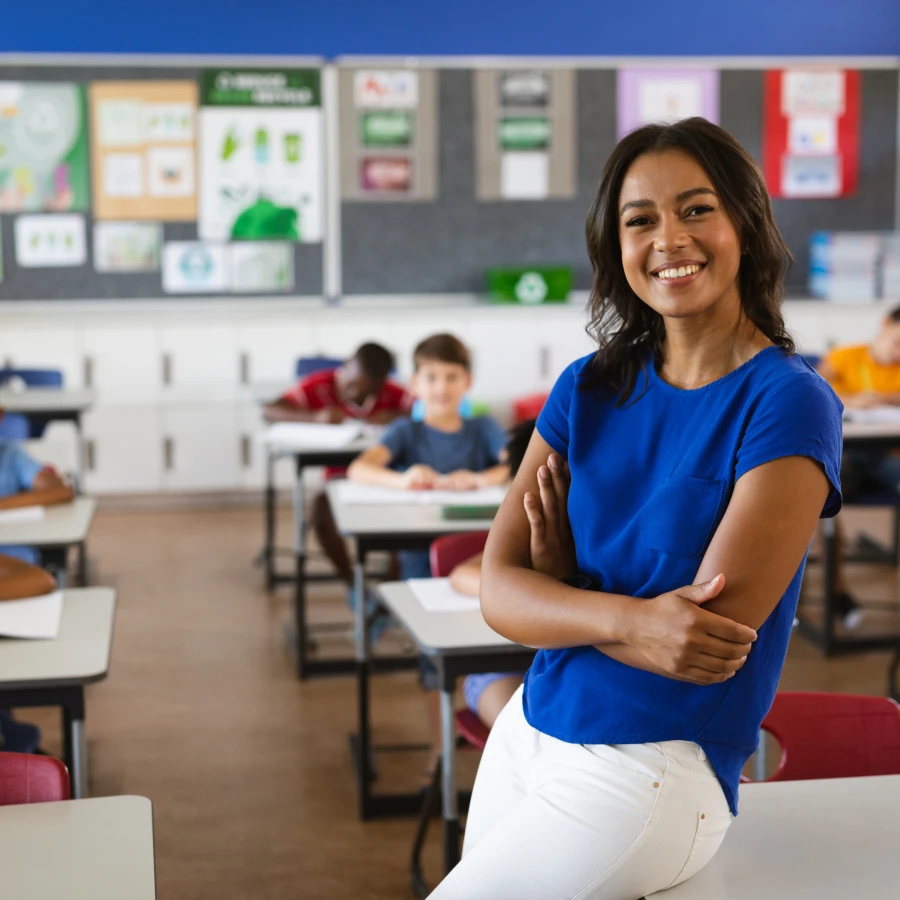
(680, 272)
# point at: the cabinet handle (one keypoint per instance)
(89, 371)
(245, 368)
(544, 361)
(246, 451)
(167, 368)
(168, 454)
(90, 455)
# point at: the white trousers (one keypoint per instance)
(557, 821)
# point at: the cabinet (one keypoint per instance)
(199, 361)
(43, 348)
(201, 447)
(121, 363)
(123, 449)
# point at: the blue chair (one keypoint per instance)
(34, 378)
(306, 365)
(14, 427)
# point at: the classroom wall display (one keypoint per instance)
(261, 267)
(525, 134)
(143, 161)
(195, 267)
(644, 96)
(261, 147)
(127, 246)
(50, 241)
(388, 126)
(811, 133)
(43, 147)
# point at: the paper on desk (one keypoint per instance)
(22, 514)
(352, 493)
(314, 435)
(874, 416)
(436, 595)
(34, 617)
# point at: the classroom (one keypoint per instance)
(450, 451)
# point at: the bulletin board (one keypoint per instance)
(146, 112)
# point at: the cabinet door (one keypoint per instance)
(269, 352)
(44, 348)
(201, 447)
(122, 363)
(123, 450)
(199, 362)
(505, 354)
(561, 340)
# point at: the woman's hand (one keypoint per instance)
(682, 640)
(552, 547)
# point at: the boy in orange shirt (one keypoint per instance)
(864, 376)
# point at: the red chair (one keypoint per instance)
(528, 407)
(834, 735)
(26, 778)
(448, 552)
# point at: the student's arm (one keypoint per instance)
(466, 577)
(47, 489)
(19, 579)
(283, 411)
(371, 467)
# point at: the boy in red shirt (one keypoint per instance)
(357, 389)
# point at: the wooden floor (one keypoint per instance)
(248, 769)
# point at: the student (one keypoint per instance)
(487, 693)
(358, 389)
(701, 453)
(26, 482)
(863, 376)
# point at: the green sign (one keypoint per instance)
(260, 87)
(386, 129)
(530, 286)
(524, 133)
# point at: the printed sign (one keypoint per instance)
(50, 241)
(386, 174)
(397, 89)
(524, 89)
(127, 246)
(193, 267)
(386, 129)
(524, 133)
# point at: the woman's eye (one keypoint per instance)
(699, 210)
(637, 222)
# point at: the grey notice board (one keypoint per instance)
(83, 282)
(444, 246)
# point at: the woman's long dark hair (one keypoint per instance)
(621, 322)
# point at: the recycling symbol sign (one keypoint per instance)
(531, 288)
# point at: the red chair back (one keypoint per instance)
(448, 552)
(834, 735)
(470, 726)
(529, 407)
(26, 778)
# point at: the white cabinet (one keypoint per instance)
(505, 354)
(123, 450)
(561, 340)
(199, 362)
(201, 447)
(339, 332)
(269, 351)
(122, 363)
(43, 348)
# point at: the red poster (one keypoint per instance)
(811, 133)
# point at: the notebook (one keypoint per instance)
(436, 595)
(352, 493)
(33, 617)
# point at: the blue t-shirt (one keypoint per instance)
(650, 483)
(17, 473)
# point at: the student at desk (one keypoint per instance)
(864, 376)
(357, 389)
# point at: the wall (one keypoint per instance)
(528, 27)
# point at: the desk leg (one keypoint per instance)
(75, 745)
(269, 545)
(449, 795)
(82, 565)
(300, 583)
(361, 641)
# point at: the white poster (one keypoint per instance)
(49, 241)
(812, 136)
(127, 246)
(397, 89)
(261, 267)
(194, 267)
(670, 99)
(261, 173)
(812, 93)
(524, 176)
(170, 172)
(119, 123)
(812, 176)
(123, 175)
(165, 123)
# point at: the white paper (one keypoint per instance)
(811, 176)
(193, 267)
(386, 90)
(352, 493)
(803, 93)
(33, 617)
(167, 122)
(119, 123)
(53, 240)
(524, 176)
(313, 435)
(123, 175)
(127, 246)
(436, 595)
(259, 266)
(21, 514)
(812, 135)
(170, 172)
(670, 99)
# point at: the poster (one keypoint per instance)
(261, 267)
(127, 246)
(665, 96)
(50, 241)
(43, 147)
(386, 174)
(524, 89)
(194, 267)
(388, 128)
(811, 133)
(397, 89)
(524, 176)
(524, 133)
(261, 175)
(144, 156)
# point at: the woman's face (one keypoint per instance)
(680, 250)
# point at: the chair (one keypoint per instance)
(446, 553)
(834, 735)
(306, 365)
(529, 407)
(34, 378)
(25, 778)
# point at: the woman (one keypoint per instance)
(701, 453)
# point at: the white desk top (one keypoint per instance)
(459, 632)
(97, 849)
(375, 520)
(62, 525)
(806, 840)
(871, 429)
(79, 655)
(38, 400)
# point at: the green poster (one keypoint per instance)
(386, 129)
(524, 133)
(529, 286)
(260, 87)
(43, 147)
